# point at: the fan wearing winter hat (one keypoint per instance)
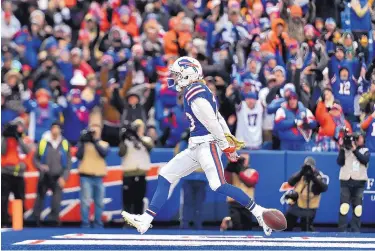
(282, 101)
(293, 125)
(76, 114)
(43, 112)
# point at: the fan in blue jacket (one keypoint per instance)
(43, 113)
(175, 123)
(344, 88)
(277, 103)
(76, 114)
(294, 126)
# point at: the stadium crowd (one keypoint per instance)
(304, 69)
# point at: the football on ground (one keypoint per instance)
(274, 219)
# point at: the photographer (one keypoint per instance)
(239, 174)
(12, 166)
(305, 198)
(134, 150)
(92, 168)
(353, 159)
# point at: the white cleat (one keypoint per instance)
(136, 221)
(267, 230)
(258, 213)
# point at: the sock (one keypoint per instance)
(159, 198)
(237, 194)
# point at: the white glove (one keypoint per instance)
(298, 122)
(62, 101)
(25, 95)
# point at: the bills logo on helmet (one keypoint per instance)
(184, 63)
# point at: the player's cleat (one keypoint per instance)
(258, 213)
(267, 230)
(136, 221)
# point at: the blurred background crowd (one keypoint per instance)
(79, 71)
(63, 59)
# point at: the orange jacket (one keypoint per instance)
(170, 46)
(327, 124)
(131, 27)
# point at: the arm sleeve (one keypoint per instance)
(362, 155)
(24, 148)
(341, 158)
(68, 166)
(122, 149)
(281, 122)
(102, 150)
(206, 115)
(366, 123)
(275, 104)
(319, 185)
(295, 178)
(81, 148)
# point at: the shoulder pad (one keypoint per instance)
(194, 90)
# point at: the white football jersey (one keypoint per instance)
(249, 124)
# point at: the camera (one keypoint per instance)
(307, 171)
(348, 139)
(10, 130)
(87, 135)
(129, 133)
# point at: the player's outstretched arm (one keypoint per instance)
(223, 124)
(206, 115)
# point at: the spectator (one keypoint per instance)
(344, 89)
(178, 37)
(76, 114)
(249, 114)
(12, 167)
(293, 16)
(125, 21)
(9, 23)
(294, 126)
(14, 89)
(111, 115)
(332, 123)
(79, 64)
(43, 113)
(134, 150)
(7, 113)
(353, 160)
(268, 119)
(175, 123)
(55, 165)
(45, 73)
(239, 174)
(305, 197)
(92, 168)
(130, 108)
(360, 17)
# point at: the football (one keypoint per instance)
(274, 219)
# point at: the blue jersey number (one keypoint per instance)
(252, 119)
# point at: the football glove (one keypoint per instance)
(234, 142)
